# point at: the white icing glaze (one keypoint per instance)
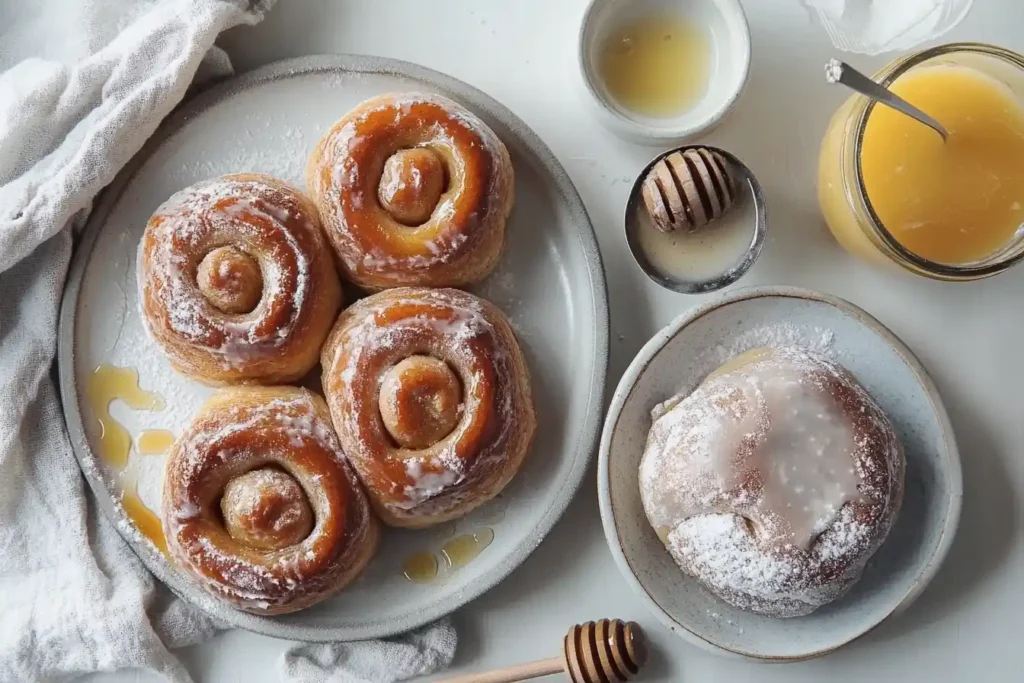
(752, 480)
(768, 431)
(447, 245)
(189, 314)
(436, 472)
(255, 583)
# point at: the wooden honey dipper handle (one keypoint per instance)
(607, 650)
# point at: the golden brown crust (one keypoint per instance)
(213, 249)
(285, 430)
(495, 419)
(461, 241)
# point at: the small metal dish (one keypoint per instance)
(749, 196)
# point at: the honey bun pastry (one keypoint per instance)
(774, 481)
(260, 506)
(236, 282)
(412, 189)
(430, 396)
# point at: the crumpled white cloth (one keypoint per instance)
(379, 661)
(82, 85)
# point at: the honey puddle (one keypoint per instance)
(420, 567)
(423, 567)
(154, 442)
(145, 520)
(459, 551)
(107, 384)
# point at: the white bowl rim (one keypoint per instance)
(631, 128)
(625, 388)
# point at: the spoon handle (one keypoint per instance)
(840, 72)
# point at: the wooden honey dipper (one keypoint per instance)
(607, 650)
(689, 188)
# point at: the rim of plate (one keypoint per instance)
(624, 391)
(522, 136)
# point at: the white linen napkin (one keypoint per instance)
(82, 85)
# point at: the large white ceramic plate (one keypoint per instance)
(550, 283)
(676, 360)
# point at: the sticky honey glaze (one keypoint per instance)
(420, 567)
(461, 550)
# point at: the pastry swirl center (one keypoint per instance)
(231, 280)
(266, 509)
(411, 185)
(420, 401)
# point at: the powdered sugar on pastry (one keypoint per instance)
(488, 421)
(279, 441)
(780, 456)
(458, 231)
(269, 225)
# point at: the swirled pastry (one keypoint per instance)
(430, 395)
(413, 189)
(774, 481)
(260, 505)
(236, 282)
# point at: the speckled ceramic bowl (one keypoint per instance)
(677, 359)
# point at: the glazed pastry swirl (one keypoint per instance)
(413, 189)
(259, 504)
(236, 283)
(430, 395)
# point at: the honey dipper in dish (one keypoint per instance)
(774, 482)
(687, 189)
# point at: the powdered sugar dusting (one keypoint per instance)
(262, 220)
(817, 340)
(719, 550)
(369, 241)
(759, 467)
(452, 326)
(203, 461)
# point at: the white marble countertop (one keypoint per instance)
(967, 625)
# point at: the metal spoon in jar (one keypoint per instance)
(841, 72)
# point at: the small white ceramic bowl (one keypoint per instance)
(729, 62)
(676, 360)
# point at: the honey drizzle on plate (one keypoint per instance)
(105, 385)
(456, 553)
(459, 551)
(144, 519)
(109, 383)
(420, 567)
(154, 442)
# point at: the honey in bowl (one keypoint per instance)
(954, 202)
(656, 65)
